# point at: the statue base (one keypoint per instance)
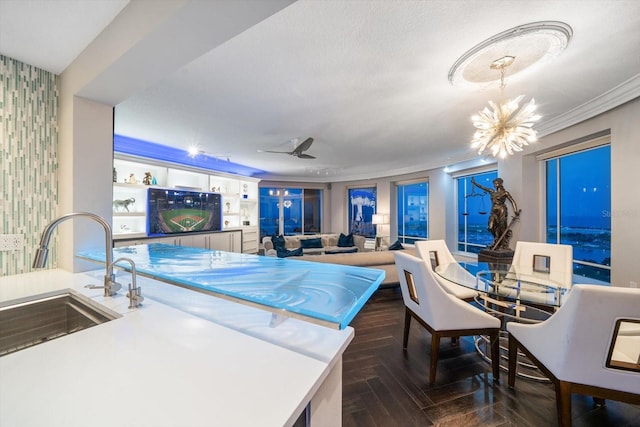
(495, 256)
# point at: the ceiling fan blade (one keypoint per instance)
(303, 146)
(297, 152)
(277, 152)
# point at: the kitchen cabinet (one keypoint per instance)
(229, 241)
(250, 240)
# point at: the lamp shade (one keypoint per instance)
(380, 219)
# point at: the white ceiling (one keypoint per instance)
(50, 34)
(368, 80)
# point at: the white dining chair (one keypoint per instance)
(547, 264)
(577, 346)
(442, 314)
(435, 253)
(549, 261)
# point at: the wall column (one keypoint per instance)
(84, 176)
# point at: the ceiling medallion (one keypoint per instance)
(505, 127)
(530, 43)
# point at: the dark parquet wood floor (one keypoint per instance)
(384, 386)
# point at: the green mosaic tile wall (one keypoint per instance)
(29, 141)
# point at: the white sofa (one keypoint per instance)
(381, 260)
(329, 244)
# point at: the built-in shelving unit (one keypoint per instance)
(132, 178)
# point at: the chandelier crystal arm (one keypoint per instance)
(504, 127)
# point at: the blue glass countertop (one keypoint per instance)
(328, 294)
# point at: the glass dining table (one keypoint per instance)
(510, 293)
(514, 292)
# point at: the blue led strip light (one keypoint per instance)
(152, 150)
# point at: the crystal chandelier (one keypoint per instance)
(504, 128)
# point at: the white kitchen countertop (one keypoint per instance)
(183, 359)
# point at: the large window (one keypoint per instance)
(290, 211)
(412, 211)
(579, 206)
(474, 207)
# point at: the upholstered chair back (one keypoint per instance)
(575, 342)
(532, 258)
(436, 252)
(429, 301)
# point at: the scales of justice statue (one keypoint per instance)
(499, 224)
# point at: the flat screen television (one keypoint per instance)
(182, 211)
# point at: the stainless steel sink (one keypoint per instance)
(28, 322)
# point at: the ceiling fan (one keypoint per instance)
(298, 151)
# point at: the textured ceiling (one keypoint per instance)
(368, 80)
(51, 33)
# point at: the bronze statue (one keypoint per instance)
(147, 178)
(498, 223)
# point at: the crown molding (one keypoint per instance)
(609, 100)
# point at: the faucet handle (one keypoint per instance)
(111, 288)
(135, 296)
(114, 288)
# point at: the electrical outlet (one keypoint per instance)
(633, 284)
(11, 242)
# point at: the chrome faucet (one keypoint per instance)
(40, 260)
(135, 292)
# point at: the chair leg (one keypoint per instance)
(495, 356)
(563, 403)
(513, 358)
(407, 324)
(435, 348)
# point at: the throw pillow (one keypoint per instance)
(345, 241)
(310, 243)
(278, 241)
(396, 246)
(343, 251)
(284, 253)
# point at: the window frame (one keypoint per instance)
(282, 194)
(493, 167)
(582, 145)
(398, 220)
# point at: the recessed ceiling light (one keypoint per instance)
(194, 150)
